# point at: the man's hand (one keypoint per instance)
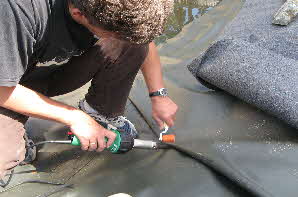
(90, 133)
(163, 108)
(164, 111)
(30, 103)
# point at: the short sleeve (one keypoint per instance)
(16, 43)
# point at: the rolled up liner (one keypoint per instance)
(256, 61)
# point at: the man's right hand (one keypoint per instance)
(91, 134)
(25, 101)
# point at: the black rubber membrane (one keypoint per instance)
(254, 150)
(236, 149)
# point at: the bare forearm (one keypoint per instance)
(28, 102)
(151, 70)
(163, 108)
(25, 101)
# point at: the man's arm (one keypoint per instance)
(30, 103)
(163, 108)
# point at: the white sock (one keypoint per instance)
(88, 108)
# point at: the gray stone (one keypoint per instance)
(286, 13)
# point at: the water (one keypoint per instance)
(185, 11)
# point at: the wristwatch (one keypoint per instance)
(161, 92)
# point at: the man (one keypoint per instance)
(38, 31)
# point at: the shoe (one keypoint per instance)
(124, 125)
(30, 155)
(121, 123)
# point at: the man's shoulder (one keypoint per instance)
(31, 10)
(15, 10)
(21, 5)
(6, 6)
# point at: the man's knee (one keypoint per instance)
(12, 143)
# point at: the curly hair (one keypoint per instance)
(137, 21)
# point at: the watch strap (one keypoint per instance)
(160, 92)
(157, 93)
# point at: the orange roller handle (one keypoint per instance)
(169, 138)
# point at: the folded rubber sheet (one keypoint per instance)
(256, 61)
(255, 153)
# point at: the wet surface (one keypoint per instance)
(185, 11)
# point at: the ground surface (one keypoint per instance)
(226, 130)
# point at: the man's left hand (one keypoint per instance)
(164, 111)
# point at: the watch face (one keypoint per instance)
(164, 92)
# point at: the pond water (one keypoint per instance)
(185, 11)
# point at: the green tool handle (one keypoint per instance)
(114, 148)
